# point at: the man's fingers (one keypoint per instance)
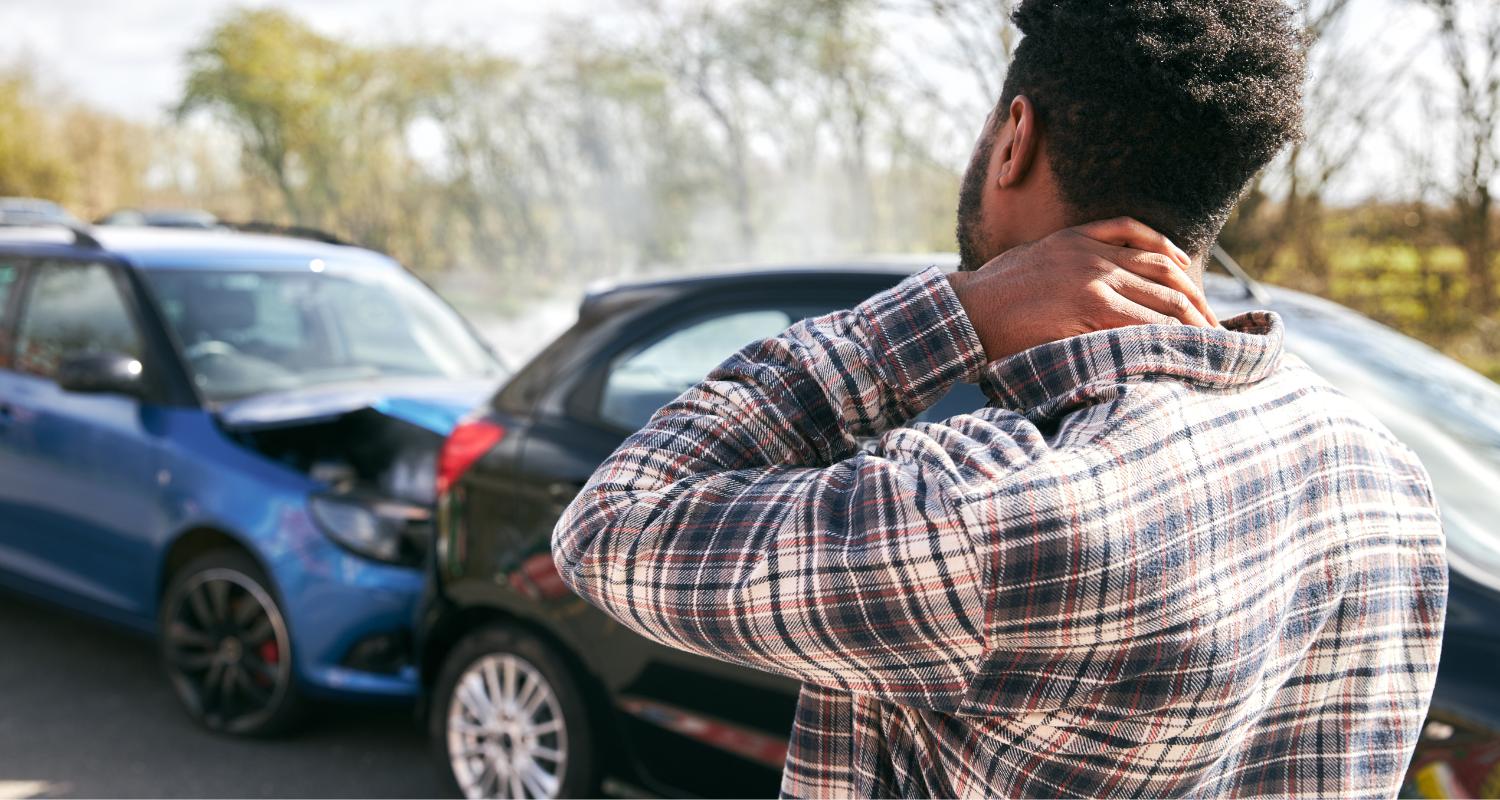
(1165, 271)
(1161, 269)
(1158, 299)
(1128, 232)
(1124, 312)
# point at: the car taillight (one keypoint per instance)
(466, 444)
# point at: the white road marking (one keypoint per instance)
(19, 790)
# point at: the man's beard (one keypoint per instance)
(970, 199)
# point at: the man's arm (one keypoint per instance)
(744, 523)
(705, 531)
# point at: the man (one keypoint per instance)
(1165, 560)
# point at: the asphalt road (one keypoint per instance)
(86, 712)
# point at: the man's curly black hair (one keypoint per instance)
(1163, 110)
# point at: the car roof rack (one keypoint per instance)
(81, 235)
(295, 231)
(1253, 289)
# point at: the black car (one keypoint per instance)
(535, 693)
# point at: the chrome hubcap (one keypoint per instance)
(506, 735)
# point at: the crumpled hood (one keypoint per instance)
(436, 405)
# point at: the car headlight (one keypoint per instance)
(385, 530)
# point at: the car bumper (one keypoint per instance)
(351, 623)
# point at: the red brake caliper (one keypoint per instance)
(270, 654)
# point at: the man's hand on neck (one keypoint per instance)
(1080, 280)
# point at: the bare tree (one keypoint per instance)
(695, 47)
(1345, 98)
(1469, 34)
(974, 40)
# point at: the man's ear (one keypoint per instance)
(1018, 144)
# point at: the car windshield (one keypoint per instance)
(247, 332)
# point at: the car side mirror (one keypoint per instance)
(102, 373)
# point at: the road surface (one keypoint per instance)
(85, 712)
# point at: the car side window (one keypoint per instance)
(642, 381)
(10, 276)
(73, 310)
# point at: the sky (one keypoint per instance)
(126, 56)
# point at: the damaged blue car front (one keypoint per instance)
(229, 441)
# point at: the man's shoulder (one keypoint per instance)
(1292, 409)
(1321, 424)
(1323, 403)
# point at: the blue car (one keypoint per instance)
(231, 442)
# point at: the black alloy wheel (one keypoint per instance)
(225, 646)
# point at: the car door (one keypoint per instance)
(11, 275)
(78, 485)
(694, 724)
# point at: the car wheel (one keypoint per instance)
(225, 646)
(508, 719)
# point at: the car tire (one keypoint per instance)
(226, 648)
(507, 714)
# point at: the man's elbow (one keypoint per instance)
(569, 542)
(579, 532)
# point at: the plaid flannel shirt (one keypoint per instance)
(1162, 561)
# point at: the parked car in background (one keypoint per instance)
(33, 211)
(161, 218)
(228, 441)
(534, 693)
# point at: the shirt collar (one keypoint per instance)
(1051, 379)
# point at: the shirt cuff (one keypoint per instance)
(923, 338)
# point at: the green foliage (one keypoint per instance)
(326, 125)
(29, 165)
(1396, 263)
(53, 148)
(714, 132)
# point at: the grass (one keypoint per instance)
(1421, 291)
